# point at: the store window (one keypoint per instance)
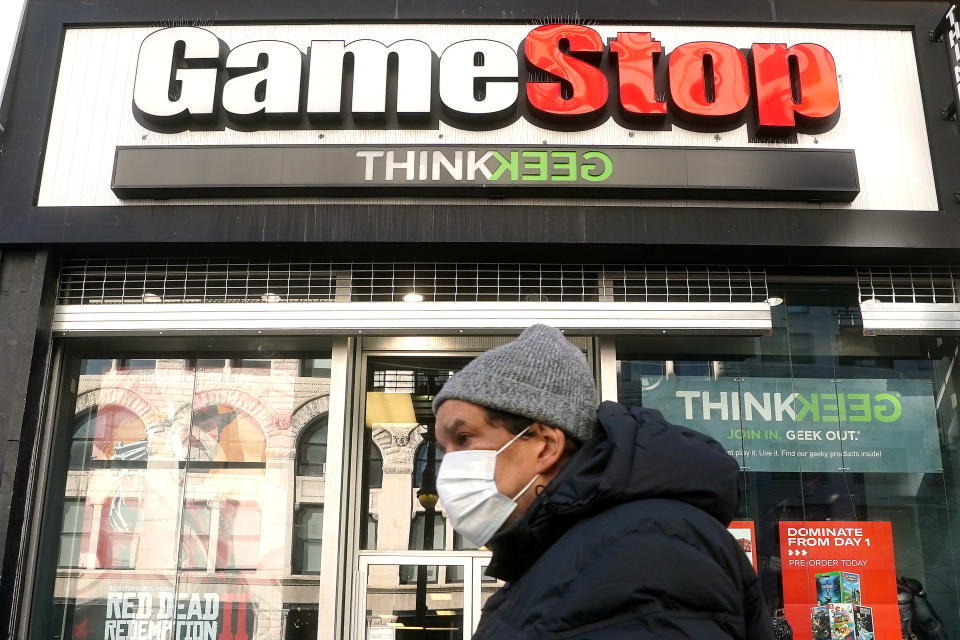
(171, 492)
(848, 449)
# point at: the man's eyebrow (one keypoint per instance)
(453, 425)
(449, 429)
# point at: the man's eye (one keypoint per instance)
(462, 438)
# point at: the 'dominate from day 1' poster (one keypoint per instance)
(839, 580)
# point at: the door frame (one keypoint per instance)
(601, 356)
(480, 564)
(465, 560)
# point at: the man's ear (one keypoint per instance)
(555, 442)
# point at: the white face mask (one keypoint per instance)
(468, 492)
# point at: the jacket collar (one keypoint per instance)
(635, 455)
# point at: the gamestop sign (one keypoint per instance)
(699, 113)
(562, 76)
(187, 75)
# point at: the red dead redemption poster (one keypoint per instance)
(839, 580)
(143, 613)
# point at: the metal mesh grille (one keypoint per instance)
(907, 285)
(220, 280)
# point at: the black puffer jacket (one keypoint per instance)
(629, 541)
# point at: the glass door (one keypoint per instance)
(415, 571)
(412, 597)
(415, 577)
(446, 607)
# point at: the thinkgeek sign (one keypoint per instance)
(790, 174)
(563, 77)
(809, 424)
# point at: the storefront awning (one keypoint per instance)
(895, 318)
(744, 318)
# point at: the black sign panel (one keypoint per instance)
(500, 171)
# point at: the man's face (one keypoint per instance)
(463, 426)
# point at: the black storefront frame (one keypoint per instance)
(33, 238)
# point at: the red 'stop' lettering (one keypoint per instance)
(589, 85)
(815, 75)
(636, 55)
(709, 79)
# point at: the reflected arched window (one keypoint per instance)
(420, 462)
(312, 452)
(374, 464)
(81, 447)
(108, 432)
(223, 433)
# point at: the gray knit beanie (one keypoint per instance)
(539, 376)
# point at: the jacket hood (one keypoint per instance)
(635, 455)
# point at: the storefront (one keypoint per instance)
(243, 248)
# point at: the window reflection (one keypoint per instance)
(398, 421)
(894, 469)
(195, 543)
(421, 538)
(312, 454)
(455, 574)
(370, 539)
(374, 468)
(302, 620)
(223, 433)
(196, 480)
(308, 539)
(108, 432)
(315, 368)
(75, 532)
(119, 533)
(239, 544)
(95, 367)
(420, 460)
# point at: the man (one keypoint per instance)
(606, 524)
